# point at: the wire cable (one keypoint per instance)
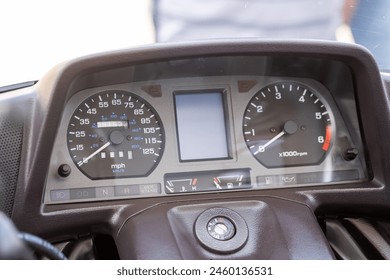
(41, 246)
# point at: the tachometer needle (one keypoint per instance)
(262, 147)
(85, 160)
(289, 127)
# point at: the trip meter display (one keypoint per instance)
(287, 124)
(115, 134)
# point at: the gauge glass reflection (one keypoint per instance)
(287, 124)
(115, 134)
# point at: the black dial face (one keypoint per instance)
(287, 124)
(115, 134)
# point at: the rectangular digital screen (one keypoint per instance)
(201, 126)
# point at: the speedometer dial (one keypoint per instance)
(287, 124)
(115, 134)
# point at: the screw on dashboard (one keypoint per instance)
(64, 170)
(350, 154)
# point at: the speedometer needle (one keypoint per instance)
(85, 160)
(262, 147)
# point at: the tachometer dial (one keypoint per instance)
(287, 124)
(115, 134)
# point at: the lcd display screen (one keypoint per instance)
(201, 126)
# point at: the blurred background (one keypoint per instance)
(37, 34)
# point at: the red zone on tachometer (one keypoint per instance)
(328, 138)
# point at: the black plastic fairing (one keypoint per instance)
(278, 229)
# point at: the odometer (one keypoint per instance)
(287, 124)
(115, 134)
